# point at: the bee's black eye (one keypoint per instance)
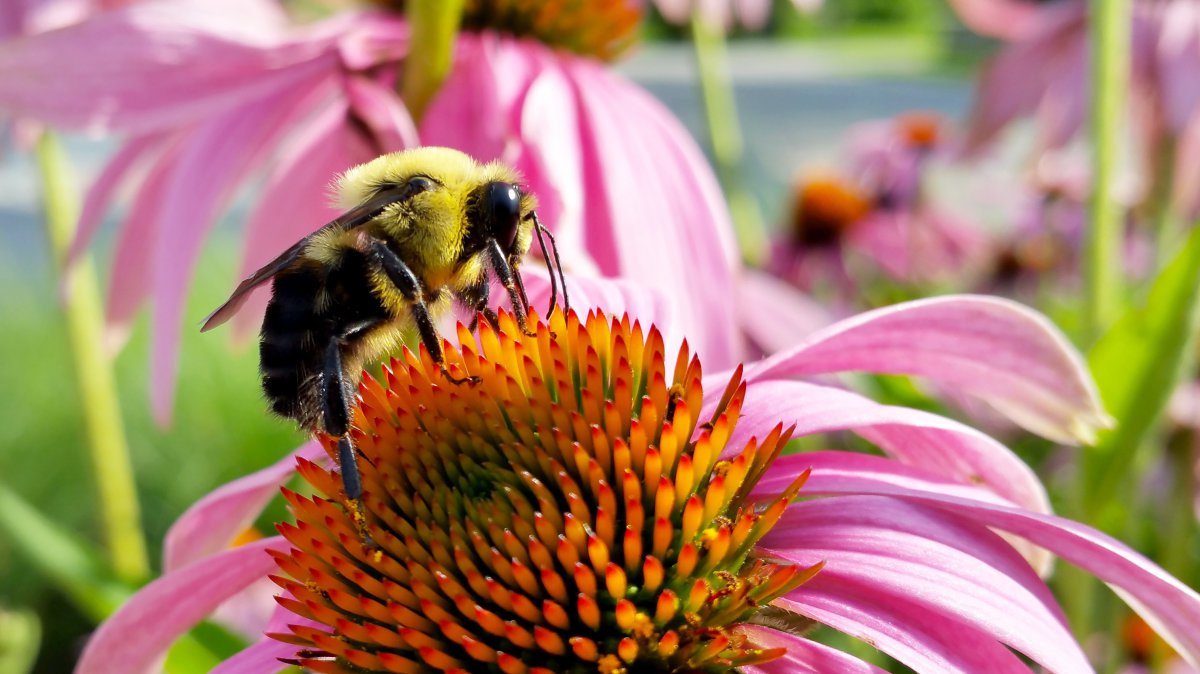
(503, 204)
(418, 184)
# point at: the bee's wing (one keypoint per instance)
(242, 292)
(355, 217)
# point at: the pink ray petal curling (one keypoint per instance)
(1169, 606)
(135, 637)
(803, 656)
(941, 565)
(213, 522)
(913, 437)
(993, 349)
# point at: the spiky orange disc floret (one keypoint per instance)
(564, 514)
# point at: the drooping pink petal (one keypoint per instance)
(1169, 606)
(139, 633)
(661, 219)
(470, 112)
(157, 64)
(993, 349)
(945, 566)
(1013, 83)
(913, 437)
(101, 193)
(904, 629)
(384, 115)
(262, 657)
(212, 523)
(803, 656)
(774, 314)
(218, 157)
(129, 278)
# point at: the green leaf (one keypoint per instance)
(75, 567)
(1137, 364)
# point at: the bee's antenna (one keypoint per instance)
(556, 263)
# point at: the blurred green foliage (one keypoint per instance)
(221, 430)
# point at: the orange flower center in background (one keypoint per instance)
(566, 513)
(824, 209)
(921, 130)
(603, 29)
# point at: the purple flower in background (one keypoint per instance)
(213, 94)
(1042, 72)
(878, 218)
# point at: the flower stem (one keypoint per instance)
(725, 135)
(111, 465)
(434, 25)
(1110, 21)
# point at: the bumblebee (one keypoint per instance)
(423, 228)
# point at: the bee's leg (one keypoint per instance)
(476, 297)
(504, 272)
(335, 415)
(410, 288)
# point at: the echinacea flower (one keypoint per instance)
(1042, 73)
(215, 93)
(586, 506)
(879, 216)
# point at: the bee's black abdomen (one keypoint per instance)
(284, 357)
(311, 306)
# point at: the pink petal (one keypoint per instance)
(904, 629)
(993, 349)
(1016, 80)
(803, 656)
(129, 281)
(384, 114)
(157, 64)
(101, 193)
(262, 657)
(662, 216)
(139, 633)
(958, 571)
(212, 523)
(217, 158)
(1169, 606)
(774, 314)
(916, 438)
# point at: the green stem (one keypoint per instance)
(725, 135)
(1167, 225)
(1110, 21)
(434, 25)
(111, 465)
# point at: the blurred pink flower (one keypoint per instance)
(880, 217)
(748, 14)
(912, 561)
(1043, 73)
(1044, 248)
(214, 93)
